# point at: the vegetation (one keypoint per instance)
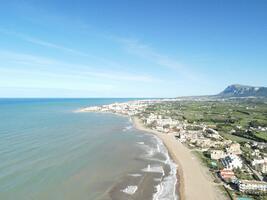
(243, 121)
(238, 120)
(243, 175)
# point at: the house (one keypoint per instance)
(232, 162)
(227, 142)
(259, 161)
(152, 117)
(227, 175)
(163, 122)
(159, 128)
(256, 153)
(234, 149)
(217, 154)
(247, 145)
(211, 133)
(252, 186)
(263, 168)
(203, 142)
(181, 136)
(260, 164)
(259, 145)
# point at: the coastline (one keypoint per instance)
(193, 179)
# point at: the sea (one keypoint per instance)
(49, 151)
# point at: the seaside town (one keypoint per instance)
(229, 137)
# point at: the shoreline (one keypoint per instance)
(179, 173)
(193, 180)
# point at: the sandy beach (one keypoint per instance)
(195, 181)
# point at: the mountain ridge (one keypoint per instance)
(239, 90)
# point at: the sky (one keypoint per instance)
(140, 48)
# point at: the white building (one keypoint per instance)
(251, 186)
(217, 154)
(234, 149)
(259, 161)
(260, 164)
(256, 152)
(181, 136)
(162, 122)
(232, 162)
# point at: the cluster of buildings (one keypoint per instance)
(231, 160)
(228, 153)
(162, 124)
(252, 186)
(228, 156)
(128, 108)
(200, 136)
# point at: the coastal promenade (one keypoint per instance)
(194, 179)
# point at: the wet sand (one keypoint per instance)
(194, 179)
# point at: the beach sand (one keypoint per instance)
(195, 181)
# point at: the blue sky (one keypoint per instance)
(140, 48)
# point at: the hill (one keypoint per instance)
(237, 90)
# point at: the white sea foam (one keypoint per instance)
(141, 143)
(150, 151)
(154, 169)
(135, 175)
(158, 148)
(128, 128)
(157, 179)
(166, 189)
(131, 189)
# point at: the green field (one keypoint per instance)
(237, 120)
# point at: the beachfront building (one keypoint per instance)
(227, 175)
(232, 162)
(166, 122)
(234, 149)
(217, 154)
(211, 133)
(203, 142)
(151, 118)
(252, 186)
(159, 128)
(260, 165)
(181, 136)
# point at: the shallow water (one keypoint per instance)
(47, 151)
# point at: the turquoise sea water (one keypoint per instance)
(47, 151)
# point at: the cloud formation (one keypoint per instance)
(43, 43)
(144, 51)
(38, 63)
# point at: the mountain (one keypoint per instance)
(237, 90)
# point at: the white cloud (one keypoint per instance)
(40, 61)
(144, 51)
(59, 68)
(43, 43)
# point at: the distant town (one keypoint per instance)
(228, 136)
